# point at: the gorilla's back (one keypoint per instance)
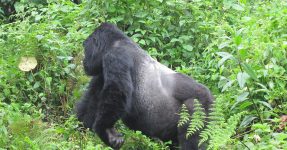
(154, 111)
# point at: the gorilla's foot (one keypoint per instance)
(115, 139)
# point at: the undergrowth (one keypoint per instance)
(237, 48)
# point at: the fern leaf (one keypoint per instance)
(197, 119)
(184, 116)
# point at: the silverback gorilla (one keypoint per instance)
(129, 84)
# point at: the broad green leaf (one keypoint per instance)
(38, 17)
(271, 84)
(237, 40)
(36, 85)
(181, 22)
(142, 42)
(242, 96)
(244, 105)
(136, 35)
(19, 7)
(224, 44)
(264, 127)
(6, 92)
(246, 121)
(249, 71)
(227, 85)
(225, 56)
(266, 104)
(263, 88)
(152, 38)
(222, 60)
(135, 39)
(243, 53)
(242, 78)
(188, 47)
(280, 136)
(237, 7)
(222, 82)
(49, 80)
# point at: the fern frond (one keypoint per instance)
(197, 119)
(219, 130)
(225, 132)
(184, 116)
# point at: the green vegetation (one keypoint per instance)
(238, 48)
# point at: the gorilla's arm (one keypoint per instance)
(87, 108)
(115, 95)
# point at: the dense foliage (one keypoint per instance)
(238, 48)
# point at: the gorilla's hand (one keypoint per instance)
(115, 139)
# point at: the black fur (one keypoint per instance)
(128, 84)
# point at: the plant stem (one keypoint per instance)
(244, 145)
(253, 102)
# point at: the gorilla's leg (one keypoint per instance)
(190, 143)
(205, 98)
(115, 97)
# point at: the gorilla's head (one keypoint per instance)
(98, 44)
